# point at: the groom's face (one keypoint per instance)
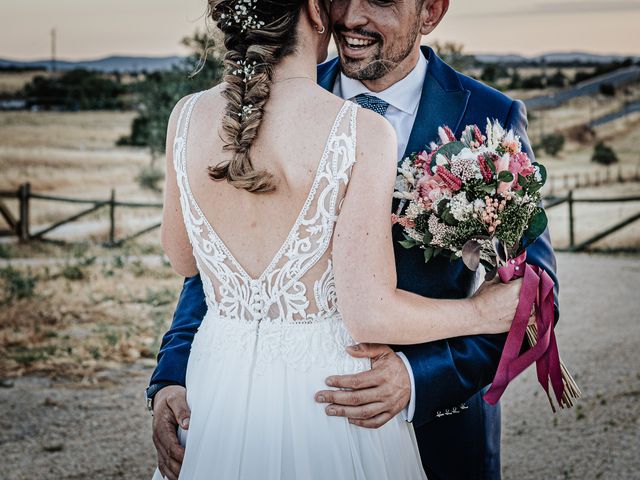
(375, 36)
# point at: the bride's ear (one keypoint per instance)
(318, 16)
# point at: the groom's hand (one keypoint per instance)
(373, 397)
(170, 409)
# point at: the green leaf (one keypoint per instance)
(471, 254)
(451, 149)
(492, 166)
(449, 219)
(427, 237)
(505, 176)
(489, 188)
(428, 254)
(408, 243)
(538, 224)
(543, 173)
(522, 180)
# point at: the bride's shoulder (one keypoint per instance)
(377, 143)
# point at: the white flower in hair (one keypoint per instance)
(244, 16)
(247, 70)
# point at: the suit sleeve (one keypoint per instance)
(449, 372)
(176, 343)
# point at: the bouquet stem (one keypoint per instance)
(571, 391)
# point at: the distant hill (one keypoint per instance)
(152, 64)
(109, 64)
(555, 57)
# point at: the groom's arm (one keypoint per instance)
(176, 343)
(448, 372)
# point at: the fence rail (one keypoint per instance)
(20, 227)
(570, 200)
(595, 178)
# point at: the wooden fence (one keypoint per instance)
(570, 200)
(20, 226)
(595, 178)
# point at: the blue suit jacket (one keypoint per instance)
(458, 433)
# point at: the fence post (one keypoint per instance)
(24, 193)
(112, 218)
(571, 230)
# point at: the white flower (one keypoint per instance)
(441, 159)
(537, 175)
(461, 208)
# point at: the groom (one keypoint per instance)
(437, 385)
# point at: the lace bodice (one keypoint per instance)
(298, 284)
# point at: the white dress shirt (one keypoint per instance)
(403, 98)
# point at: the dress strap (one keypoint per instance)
(185, 115)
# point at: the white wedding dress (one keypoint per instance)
(267, 344)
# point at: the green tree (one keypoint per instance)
(76, 90)
(453, 54)
(552, 143)
(158, 93)
(604, 154)
(558, 79)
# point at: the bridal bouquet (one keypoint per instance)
(477, 199)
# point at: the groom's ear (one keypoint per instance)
(432, 12)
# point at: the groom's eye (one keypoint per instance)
(383, 3)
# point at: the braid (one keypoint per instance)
(252, 54)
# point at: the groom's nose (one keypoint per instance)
(351, 14)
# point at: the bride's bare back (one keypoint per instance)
(292, 137)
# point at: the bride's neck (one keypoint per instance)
(299, 64)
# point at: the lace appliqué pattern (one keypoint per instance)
(271, 313)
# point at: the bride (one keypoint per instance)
(279, 194)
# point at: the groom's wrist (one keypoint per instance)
(151, 391)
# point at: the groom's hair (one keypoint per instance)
(254, 48)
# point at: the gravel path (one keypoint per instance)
(101, 431)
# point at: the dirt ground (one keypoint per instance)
(97, 427)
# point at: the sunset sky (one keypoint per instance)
(90, 28)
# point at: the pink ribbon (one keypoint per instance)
(537, 289)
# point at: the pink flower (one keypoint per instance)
(452, 182)
(521, 164)
(423, 159)
(431, 189)
(477, 134)
(487, 174)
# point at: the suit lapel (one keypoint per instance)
(327, 74)
(443, 102)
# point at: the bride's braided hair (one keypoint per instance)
(257, 35)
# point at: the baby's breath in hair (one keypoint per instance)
(243, 16)
(246, 70)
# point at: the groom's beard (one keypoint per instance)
(380, 60)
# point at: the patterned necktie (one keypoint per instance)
(372, 103)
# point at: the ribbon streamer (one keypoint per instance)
(537, 289)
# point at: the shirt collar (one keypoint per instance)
(403, 95)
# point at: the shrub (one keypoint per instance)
(535, 82)
(552, 144)
(149, 178)
(558, 79)
(17, 285)
(608, 90)
(603, 154)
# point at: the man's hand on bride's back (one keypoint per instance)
(170, 409)
(372, 397)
